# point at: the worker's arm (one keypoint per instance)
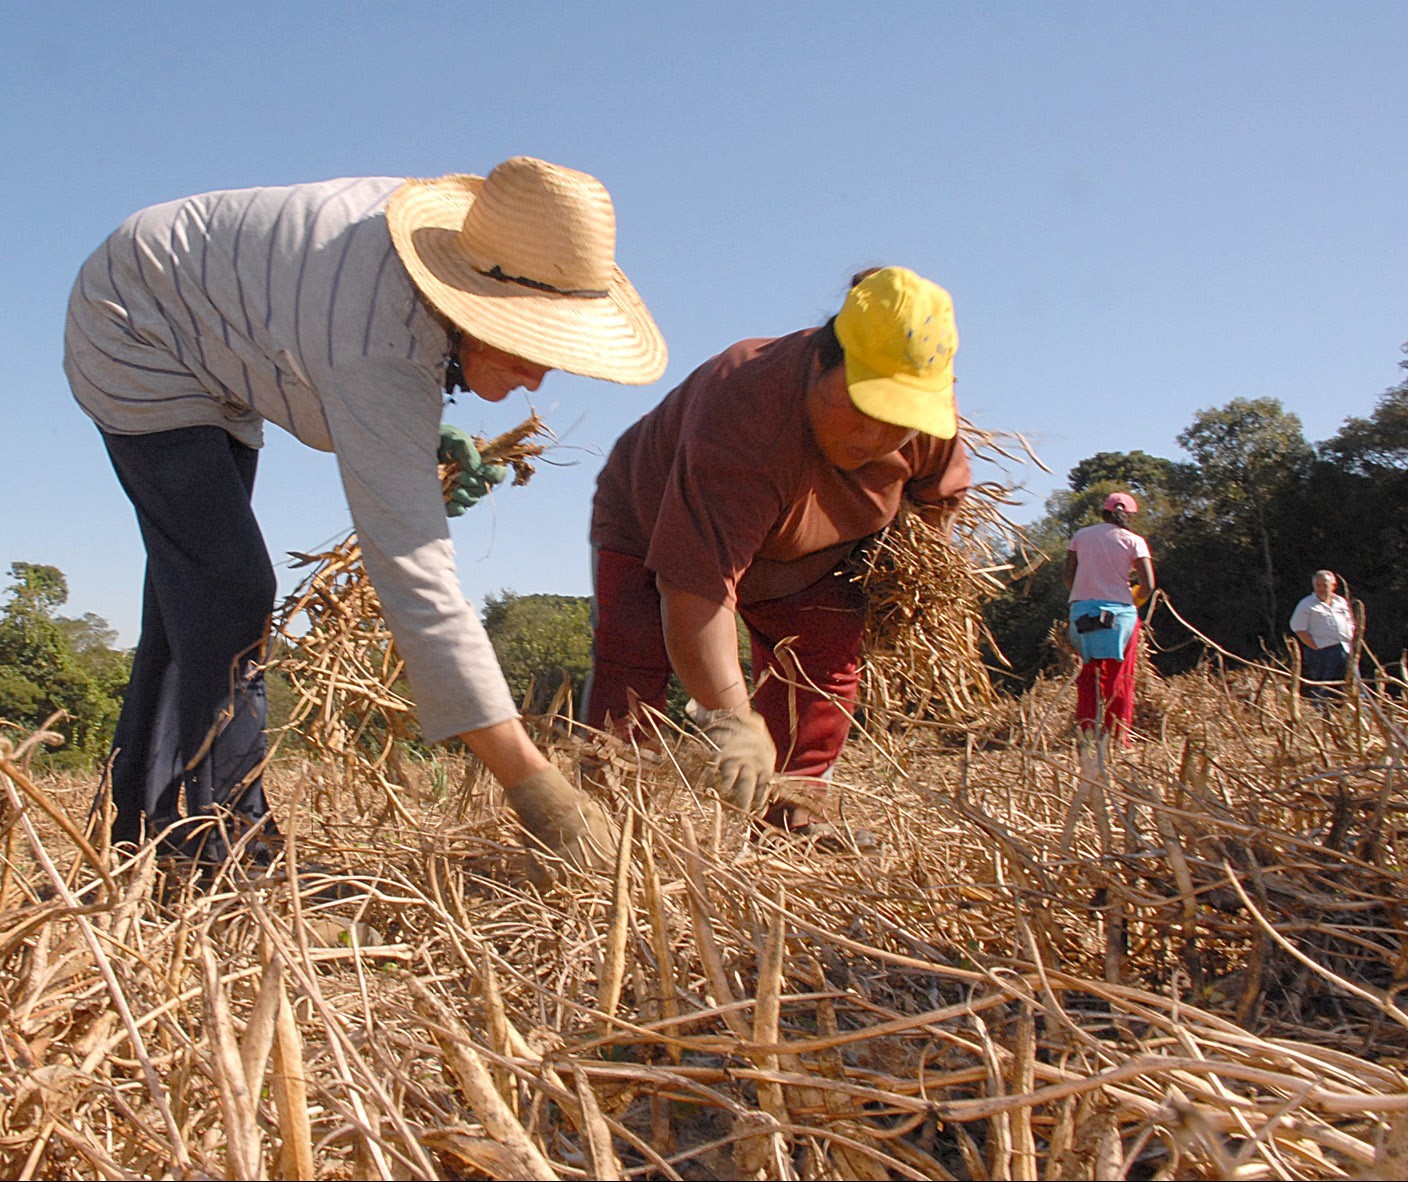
(701, 638)
(1070, 572)
(561, 818)
(506, 750)
(1143, 585)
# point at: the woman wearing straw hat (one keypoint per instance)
(746, 489)
(1101, 561)
(342, 311)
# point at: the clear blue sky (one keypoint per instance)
(1141, 210)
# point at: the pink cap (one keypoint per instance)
(1121, 501)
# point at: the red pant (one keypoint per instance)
(1111, 682)
(822, 626)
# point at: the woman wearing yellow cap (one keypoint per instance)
(745, 491)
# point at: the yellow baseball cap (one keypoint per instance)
(899, 338)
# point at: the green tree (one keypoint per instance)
(38, 589)
(1247, 457)
(1380, 442)
(539, 640)
(1133, 471)
(51, 663)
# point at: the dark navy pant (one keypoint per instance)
(193, 719)
(1329, 664)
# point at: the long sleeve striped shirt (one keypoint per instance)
(289, 305)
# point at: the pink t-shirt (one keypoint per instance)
(1105, 554)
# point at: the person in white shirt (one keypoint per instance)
(1104, 621)
(342, 311)
(1323, 623)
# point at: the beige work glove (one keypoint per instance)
(565, 821)
(746, 757)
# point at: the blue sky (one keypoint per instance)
(1141, 210)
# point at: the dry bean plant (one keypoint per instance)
(1179, 959)
(925, 586)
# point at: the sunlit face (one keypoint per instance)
(1324, 586)
(494, 374)
(848, 438)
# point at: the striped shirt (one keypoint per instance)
(289, 305)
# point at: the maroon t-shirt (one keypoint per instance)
(723, 491)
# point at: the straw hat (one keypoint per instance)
(525, 260)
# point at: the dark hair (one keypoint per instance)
(1116, 517)
(829, 353)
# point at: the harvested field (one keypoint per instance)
(1180, 962)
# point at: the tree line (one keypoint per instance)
(50, 663)
(1237, 529)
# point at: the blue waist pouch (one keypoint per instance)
(1100, 628)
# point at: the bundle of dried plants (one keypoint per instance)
(925, 586)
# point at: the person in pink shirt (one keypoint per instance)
(1108, 571)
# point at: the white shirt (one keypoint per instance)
(290, 305)
(1328, 623)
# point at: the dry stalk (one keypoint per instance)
(925, 586)
(937, 1009)
(478, 1087)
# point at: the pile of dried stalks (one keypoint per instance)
(1180, 962)
(925, 586)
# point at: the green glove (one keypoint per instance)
(474, 478)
